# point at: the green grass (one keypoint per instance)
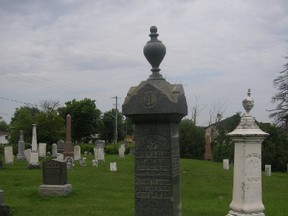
(205, 187)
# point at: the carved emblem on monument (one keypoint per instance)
(149, 99)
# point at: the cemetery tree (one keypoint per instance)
(107, 129)
(3, 125)
(50, 126)
(275, 147)
(85, 118)
(23, 119)
(280, 112)
(191, 140)
(222, 145)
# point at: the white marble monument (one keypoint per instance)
(113, 166)
(34, 156)
(247, 179)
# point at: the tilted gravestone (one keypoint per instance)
(156, 107)
(54, 179)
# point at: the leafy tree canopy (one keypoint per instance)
(280, 113)
(85, 118)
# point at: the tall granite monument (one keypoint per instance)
(68, 147)
(156, 107)
(247, 180)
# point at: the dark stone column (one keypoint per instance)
(156, 107)
(68, 147)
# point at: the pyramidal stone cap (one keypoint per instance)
(247, 125)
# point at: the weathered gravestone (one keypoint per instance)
(27, 153)
(113, 166)
(54, 150)
(55, 179)
(82, 161)
(21, 146)
(60, 157)
(77, 152)
(99, 150)
(156, 107)
(226, 164)
(8, 155)
(42, 150)
(60, 146)
(247, 179)
(121, 151)
(267, 170)
(4, 209)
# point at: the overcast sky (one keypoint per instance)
(70, 49)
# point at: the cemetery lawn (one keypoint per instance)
(205, 187)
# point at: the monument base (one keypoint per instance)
(33, 166)
(4, 210)
(55, 190)
(233, 213)
(20, 157)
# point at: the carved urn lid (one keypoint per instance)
(247, 126)
(248, 102)
(154, 51)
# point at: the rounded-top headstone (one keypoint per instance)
(154, 51)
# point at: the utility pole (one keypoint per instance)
(116, 121)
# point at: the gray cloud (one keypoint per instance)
(74, 49)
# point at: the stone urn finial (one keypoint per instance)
(154, 51)
(248, 102)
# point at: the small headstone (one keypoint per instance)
(267, 170)
(86, 153)
(69, 162)
(55, 179)
(94, 163)
(226, 164)
(82, 161)
(8, 154)
(60, 157)
(99, 153)
(42, 150)
(34, 160)
(54, 150)
(77, 152)
(27, 154)
(4, 209)
(60, 146)
(113, 167)
(121, 151)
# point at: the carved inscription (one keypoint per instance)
(54, 173)
(153, 166)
